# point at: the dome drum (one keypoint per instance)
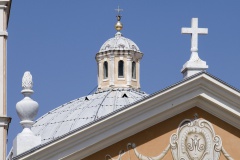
(119, 63)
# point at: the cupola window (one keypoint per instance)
(105, 70)
(121, 69)
(134, 70)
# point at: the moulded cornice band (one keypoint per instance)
(3, 7)
(4, 121)
(4, 33)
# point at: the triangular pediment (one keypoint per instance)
(191, 132)
(201, 91)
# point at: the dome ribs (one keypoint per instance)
(80, 112)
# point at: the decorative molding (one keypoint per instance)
(3, 6)
(226, 155)
(194, 140)
(4, 122)
(142, 157)
(109, 157)
(4, 33)
(27, 82)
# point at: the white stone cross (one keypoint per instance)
(194, 31)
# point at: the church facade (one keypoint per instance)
(197, 118)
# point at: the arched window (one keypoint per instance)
(105, 70)
(134, 70)
(121, 69)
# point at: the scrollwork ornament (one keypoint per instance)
(173, 141)
(194, 140)
(226, 155)
(218, 143)
(142, 157)
(121, 153)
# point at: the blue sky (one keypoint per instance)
(57, 41)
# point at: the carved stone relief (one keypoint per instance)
(27, 82)
(194, 140)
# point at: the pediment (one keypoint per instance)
(192, 134)
(201, 91)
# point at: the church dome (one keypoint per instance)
(110, 96)
(81, 111)
(119, 43)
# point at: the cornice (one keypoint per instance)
(132, 53)
(4, 122)
(7, 4)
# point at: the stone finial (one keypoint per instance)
(27, 82)
(27, 110)
(195, 64)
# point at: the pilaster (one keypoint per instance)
(111, 75)
(99, 71)
(138, 74)
(129, 70)
(4, 120)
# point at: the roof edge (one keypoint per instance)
(125, 108)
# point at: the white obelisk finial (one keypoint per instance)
(27, 110)
(195, 64)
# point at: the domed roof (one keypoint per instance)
(81, 111)
(119, 43)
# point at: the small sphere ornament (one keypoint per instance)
(118, 26)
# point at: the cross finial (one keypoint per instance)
(118, 25)
(118, 10)
(194, 31)
(195, 64)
